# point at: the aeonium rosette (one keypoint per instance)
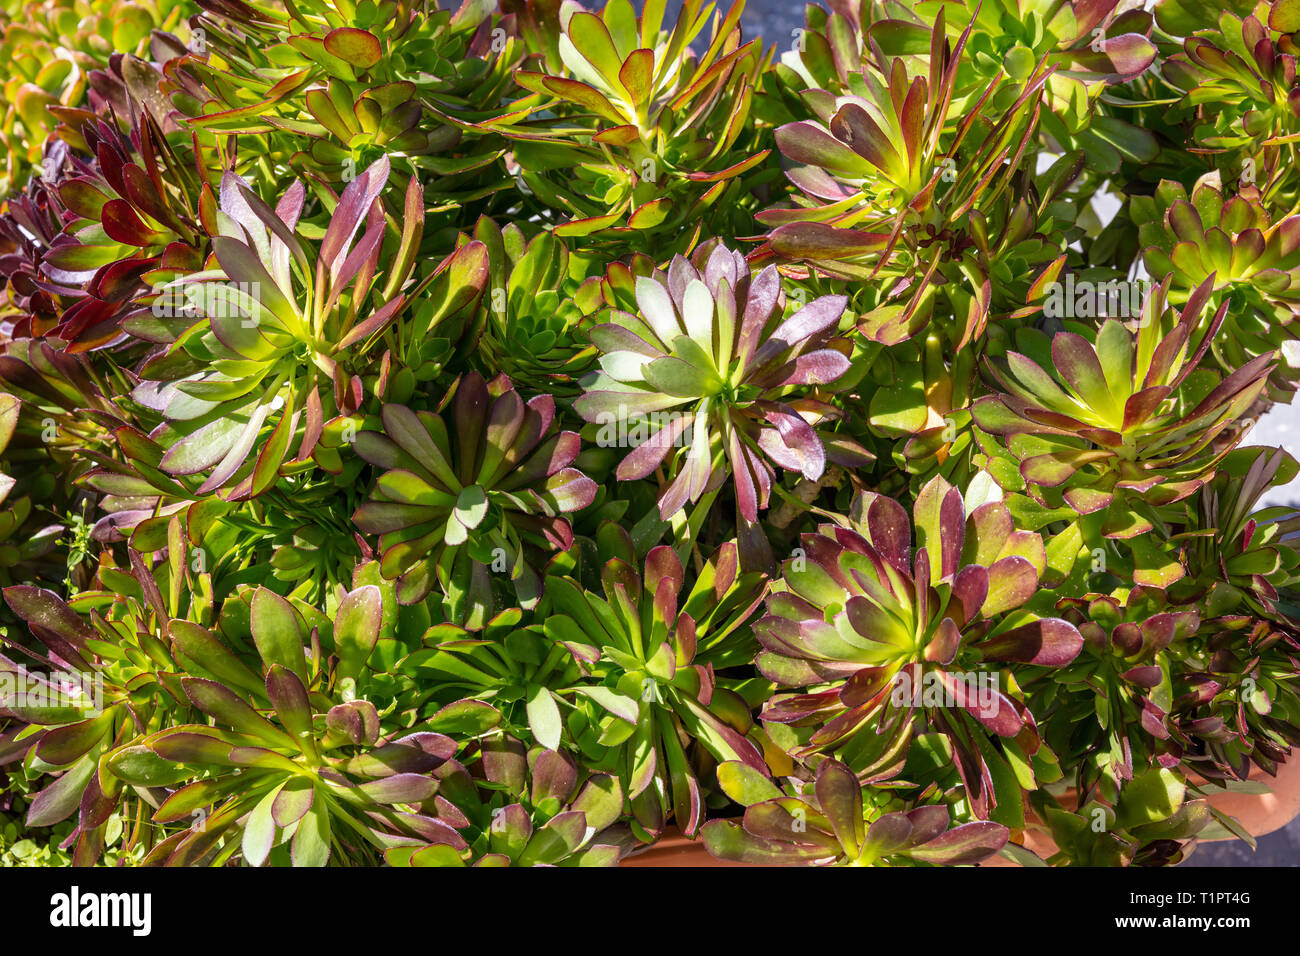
(1241, 559)
(898, 178)
(328, 88)
(1237, 69)
(1243, 710)
(453, 502)
(882, 640)
(52, 50)
(1242, 248)
(263, 354)
(836, 821)
(1110, 427)
(132, 669)
(1160, 685)
(657, 660)
(637, 132)
(717, 379)
(519, 806)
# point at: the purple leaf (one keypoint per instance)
(46, 609)
(840, 796)
(1012, 582)
(352, 208)
(815, 317)
(400, 788)
(794, 444)
(964, 845)
(728, 840)
(1050, 642)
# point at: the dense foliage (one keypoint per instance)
(502, 435)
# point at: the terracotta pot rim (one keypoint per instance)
(674, 848)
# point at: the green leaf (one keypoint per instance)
(1010, 811)
(277, 633)
(901, 408)
(259, 831)
(356, 629)
(293, 801)
(292, 706)
(358, 47)
(1115, 352)
(220, 702)
(1153, 567)
(1285, 16)
(141, 767)
(471, 506)
(46, 609)
(61, 798)
(510, 830)
(625, 708)
(728, 840)
(672, 376)
(267, 468)
(1151, 796)
(470, 717)
(194, 645)
(601, 800)
(1062, 552)
(544, 718)
(744, 784)
(311, 841)
(557, 839)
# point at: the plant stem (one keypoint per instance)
(685, 529)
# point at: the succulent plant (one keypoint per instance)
(541, 811)
(539, 296)
(88, 702)
(452, 514)
(513, 666)
(1241, 559)
(1247, 259)
(50, 47)
(881, 639)
(628, 136)
(317, 764)
(1089, 47)
(833, 824)
(651, 654)
(332, 89)
(1150, 824)
(1117, 698)
(711, 360)
(261, 344)
(404, 408)
(21, 545)
(876, 151)
(295, 764)
(124, 232)
(1241, 704)
(1196, 697)
(29, 224)
(63, 413)
(901, 182)
(1242, 66)
(1110, 427)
